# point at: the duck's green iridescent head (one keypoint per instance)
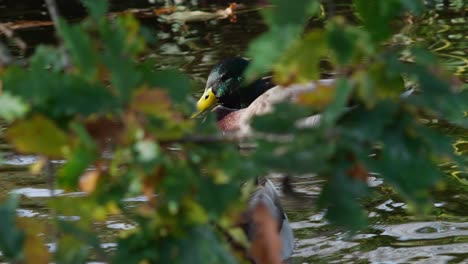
(223, 85)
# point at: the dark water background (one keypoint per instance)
(393, 237)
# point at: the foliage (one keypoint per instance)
(97, 93)
(12, 238)
(368, 60)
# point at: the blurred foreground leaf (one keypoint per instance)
(11, 238)
(37, 135)
(12, 107)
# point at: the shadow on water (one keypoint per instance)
(394, 236)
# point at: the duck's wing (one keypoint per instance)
(286, 233)
(287, 239)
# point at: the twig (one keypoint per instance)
(54, 15)
(53, 12)
(11, 35)
(48, 171)
(197, 139)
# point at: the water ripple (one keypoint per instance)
(425, 230)
(424, 254)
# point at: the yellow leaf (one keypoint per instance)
(36, 167)
(89, 180)
(151, 101)
(300, 63)
(319, 98)
(34, 249)
(195, 212)
(37, 135)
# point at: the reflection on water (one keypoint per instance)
(445, 32)
(321, 246)
(393, 237)
(425, 254)
(425, 230)
(36, 192)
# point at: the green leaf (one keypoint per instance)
(343, 40)
(368, 125)
(340, 196)
(436, 92)
(204, 246)
(177, 85)
(282, 120)
(267, 49)
(286, 20)
(416, 172)
(78, 160)
(70, 250)
(286, 12)
(300, 62)
(199, 244)
(96, 8)
(377, 15)
(59, 96)
(415, 6)
(80, 47)
(12, 107)
(37, 135)
(124, 75)
(81, 234)
(297, 156)
(11, 238)
(48, 58)
(338, 106)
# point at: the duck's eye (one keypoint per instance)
(207, 96)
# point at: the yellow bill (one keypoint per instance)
(206, 101)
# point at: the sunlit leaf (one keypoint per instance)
(88, 181)
(12, 107)
(286, 22)
(151, 101)
(35, 251)
(267, 49)
(300, 62)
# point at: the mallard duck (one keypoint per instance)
(235, 103)
(225, 86)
